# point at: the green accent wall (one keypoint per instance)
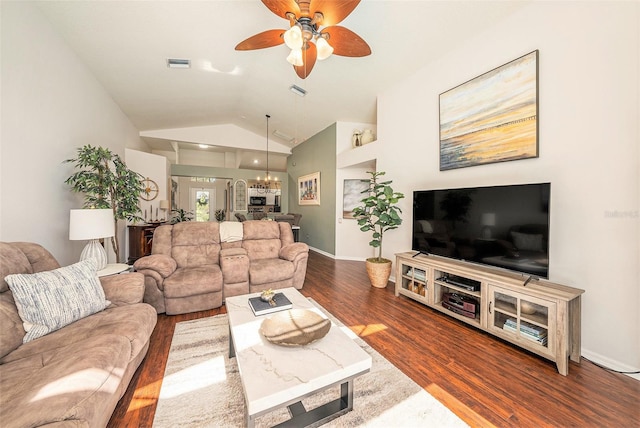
(318, 224)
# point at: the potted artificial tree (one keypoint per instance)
(378, 214)
(106, 182)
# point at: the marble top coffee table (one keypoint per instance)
(275, 376)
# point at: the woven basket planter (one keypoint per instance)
(379, 273)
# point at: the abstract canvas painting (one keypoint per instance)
(352, 195)
(492, 118)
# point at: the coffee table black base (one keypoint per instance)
(300, 417)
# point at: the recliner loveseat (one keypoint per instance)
(195, 265)
(73, 376)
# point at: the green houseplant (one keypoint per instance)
(181, 215)
(106, 182)
(378, 214)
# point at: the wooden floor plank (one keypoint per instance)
(484, 380)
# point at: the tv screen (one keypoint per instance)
(502, 226)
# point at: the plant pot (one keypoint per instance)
(379, 272)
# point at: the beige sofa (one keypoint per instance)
(192, 268)
(74, 376)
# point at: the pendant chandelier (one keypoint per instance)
(265, 186)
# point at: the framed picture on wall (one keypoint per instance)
(352, 195)
(491, 118)
(309, 189)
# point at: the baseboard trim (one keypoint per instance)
(611, 363)
(352, 259)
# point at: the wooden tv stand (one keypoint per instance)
(537, 315)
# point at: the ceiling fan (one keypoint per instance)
(313, 33)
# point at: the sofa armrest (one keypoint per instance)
(123, 289)
(160, 263)
(234, 263)
(291, 251)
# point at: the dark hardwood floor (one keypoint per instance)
(485, 381)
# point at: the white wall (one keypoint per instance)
(588, 100)
(351, 243)
(156, 168)
(51, 105)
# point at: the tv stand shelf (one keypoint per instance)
(537, 315)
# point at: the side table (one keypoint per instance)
(113, 269)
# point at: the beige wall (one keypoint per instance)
(51, 105)
(589, 151)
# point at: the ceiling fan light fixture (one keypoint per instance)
(293, 38)
(295, 57)
(324, 48)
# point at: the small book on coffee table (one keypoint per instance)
(260, 307)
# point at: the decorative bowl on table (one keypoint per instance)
(295, 327)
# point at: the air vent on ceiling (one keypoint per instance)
(282, 135)
(178, 63)
(297, 90)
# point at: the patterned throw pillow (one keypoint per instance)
(47, 301)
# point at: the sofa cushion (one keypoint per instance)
(135, 322)
(12, 331)
(47, 301)
(12, 260)
(75, 384)
(265, 271)
(195, 244)
(193, 281)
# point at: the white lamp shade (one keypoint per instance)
(324, 48)
(164, 205)
(488, 219)
(91, 224)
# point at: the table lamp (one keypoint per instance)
(92, 224)
(488, 220)
(164, 206)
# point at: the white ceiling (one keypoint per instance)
(126, 45)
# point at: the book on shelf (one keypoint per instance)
(533, 331)
(261, 307)
(539, 340)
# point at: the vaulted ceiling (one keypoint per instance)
(126, 45)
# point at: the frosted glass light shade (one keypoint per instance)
(324, 48)
(295, 57)
(293, 37)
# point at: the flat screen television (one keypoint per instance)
(501, 226)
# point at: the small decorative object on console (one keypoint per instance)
(277, 302)
(296, 327)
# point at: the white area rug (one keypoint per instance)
(202, 388)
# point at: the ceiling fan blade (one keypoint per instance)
(266, 39)
(309, 56)
(346, 43)
(334, 11)
(281, 7)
